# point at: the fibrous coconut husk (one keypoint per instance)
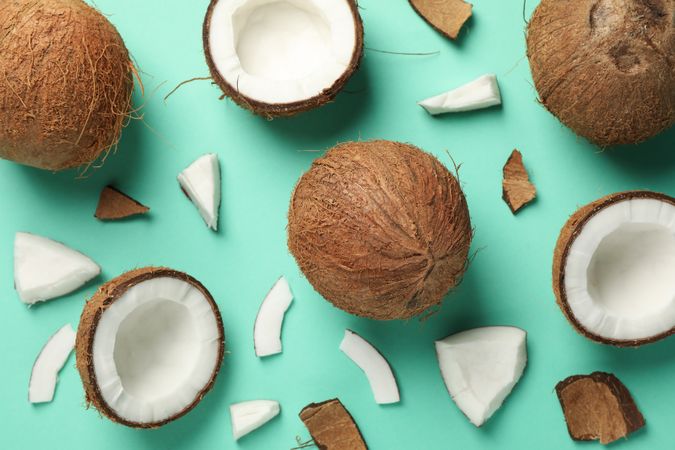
(114, 204)
(445, 16)
(517, 190)
(332, 427)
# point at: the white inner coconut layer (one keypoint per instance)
(620, 270)
(155, 349)
(281, 51)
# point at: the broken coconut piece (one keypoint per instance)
(481, 366)
(598, 407)
(446, 16)
(45, 269)
(149, 346)
(267, 328)
(201, 183)
(114, 204)
(517, 190)
(613, 268)
(482, 92)
(377, 369)
(251, 415)
(49, 362)
(332, 427)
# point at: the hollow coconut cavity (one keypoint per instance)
(613, 268)
(149, 346)
(282, 57)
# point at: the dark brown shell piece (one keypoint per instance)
(332, 427)
(517, 190)
(445, 16)
(114, 204)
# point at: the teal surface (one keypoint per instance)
(507, 284)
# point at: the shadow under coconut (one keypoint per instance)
(633, 360)
(654, 156)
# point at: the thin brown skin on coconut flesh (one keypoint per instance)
(598, 407)
(66, 90)
(269, 110)
(517, 190)
(445, 16)
(605, 68)
(380, 229)
(568, 234)
(332, 427)
(114, 204)
(96, 306)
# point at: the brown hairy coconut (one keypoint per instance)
(605, 68)
(380, 229)
(65, 84)
(149, 346)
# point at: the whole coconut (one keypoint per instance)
(65, 83)
(380, 229)
(605, 68)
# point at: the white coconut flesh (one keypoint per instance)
(270, 318)
(251, 415)
(281, 51)
(482, 92)
(201, 182)
(155, 349)
(620, 270)
(49, 362)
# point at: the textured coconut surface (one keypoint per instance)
(508, 283)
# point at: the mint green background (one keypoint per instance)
(507, 284)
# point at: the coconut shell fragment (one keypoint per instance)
(517, 190)
(598, 407)
(114, 204)
(332, 427)
(445, 16)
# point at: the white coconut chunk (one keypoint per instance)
(251, 415)
(49, 362)
(620, 270)
(267, 328)
(45, 269)
(201, 182)
(374, 365)
(482, 92)
(480, 367)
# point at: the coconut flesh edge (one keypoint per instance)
(281, 51)
(155, 349)
(620, 270)
(270, 318)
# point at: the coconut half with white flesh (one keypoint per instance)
(614, 268)
(149, 346)
(282, 57)
(270, 318)
(251, 415)
(49, 363)
(200, 181)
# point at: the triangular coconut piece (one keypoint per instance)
(46, 269)
(480, 93)
(114, 204)
(49, 362)
(446, 16)
(480, 367)
(251, 415)
(201, 183)
(517, 190)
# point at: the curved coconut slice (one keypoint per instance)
(482, 92)
(614, 268)
(45, 269)
(282, 57)
(251, 415)
(49, 362)
(370, 360)
(481, 366)
(201, 183)
(267, 328)
(149, 346)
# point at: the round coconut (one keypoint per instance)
(380, 229)
(66, 86)
(605, 68)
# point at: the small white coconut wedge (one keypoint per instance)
(482, 92)
(251, 415)
(49, 362)
(270, 318)
(201, 183)
(45, 269)
(481, 366)
(370, 360)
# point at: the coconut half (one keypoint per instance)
(282, 57)
(49, 363)
(614, 268)
(149, 346)
(270, 318)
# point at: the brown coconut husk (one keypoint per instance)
(380, 229)
(106, 295)
(272, 110)
(568, 234)
(65, 83)
(517, 190)
(332, 427)
(605, 68)
(114, 204)
(445, 16)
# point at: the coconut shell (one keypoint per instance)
(272, 110)
(517, 190)
(332, 427)
(114, 204)
(380, 229)
(445, 16)
(106, 295)
(605, 68)
(568, 234)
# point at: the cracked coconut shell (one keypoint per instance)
(332, 427)
(380, 229)
(605, 68)
(66, 83)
